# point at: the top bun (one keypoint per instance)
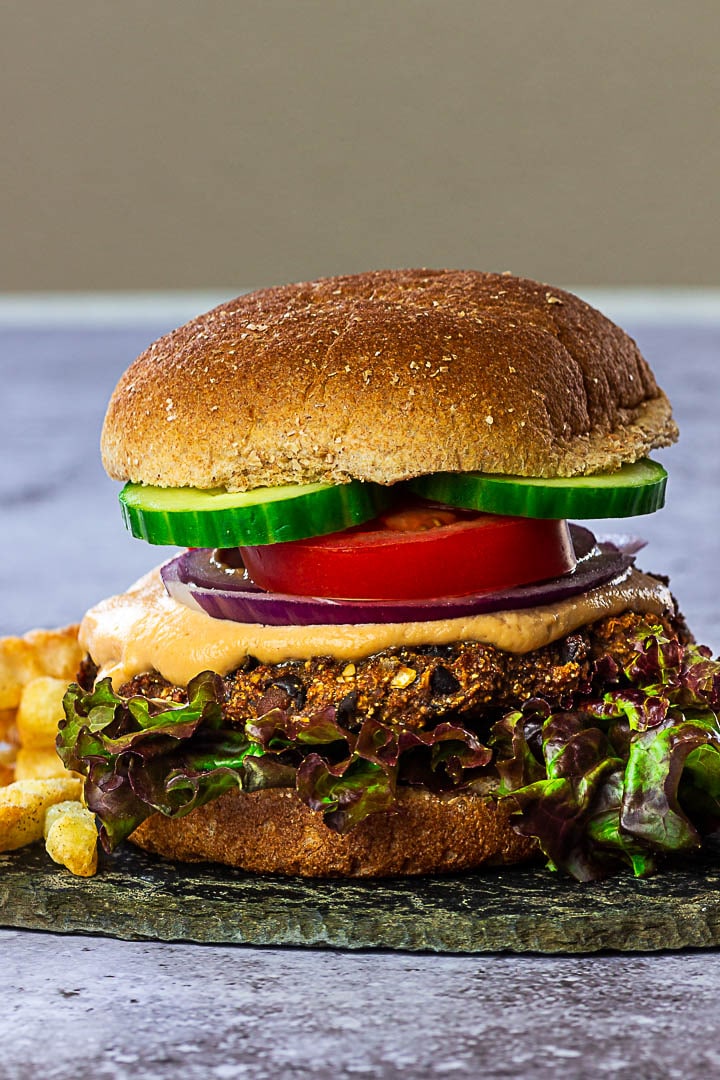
(384, 376)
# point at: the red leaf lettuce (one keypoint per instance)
(626, 776)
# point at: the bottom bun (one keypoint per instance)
(273, 832)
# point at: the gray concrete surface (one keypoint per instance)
(90, 1008)
(87, 1007)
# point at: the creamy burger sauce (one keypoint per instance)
(144, 629)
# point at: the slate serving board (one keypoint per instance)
(138, 896)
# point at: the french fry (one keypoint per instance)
(7, 763)
(57, 651)
(39, 711)
(8, 746)
(34, 673)
(8, 731)
(24, 803)
(18, 665)
(71, 837)
(39, 764)
(40, 652)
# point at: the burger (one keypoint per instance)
(384, 649)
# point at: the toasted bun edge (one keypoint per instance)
(273, 832)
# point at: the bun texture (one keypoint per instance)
(273, 832)
(383, 376)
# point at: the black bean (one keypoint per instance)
(572, 647)
(442, 681)
(346, 708)
(293, 688)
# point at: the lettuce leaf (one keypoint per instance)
(651, 808)
(141, 755)
(366, 781)
(345, 793)
(626, 776)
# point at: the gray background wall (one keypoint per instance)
(204, 143)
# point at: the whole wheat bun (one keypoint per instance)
(383, 376)
(273, 832)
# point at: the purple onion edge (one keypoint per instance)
(597, 566)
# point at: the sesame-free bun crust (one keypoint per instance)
(383, 376)
(273, 832)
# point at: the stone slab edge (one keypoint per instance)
(136, 896)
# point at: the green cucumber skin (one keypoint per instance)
(513, 496)
(315, 514)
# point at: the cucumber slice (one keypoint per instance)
(632, 489)
(190, 517)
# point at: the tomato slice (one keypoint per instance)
(416, 552)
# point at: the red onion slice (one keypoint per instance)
(193, 580)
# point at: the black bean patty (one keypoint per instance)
(419, 687)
